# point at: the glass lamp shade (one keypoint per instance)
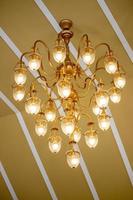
(102, 98)
(119, 80)
(88, 55)
(110, 64)
(115, 95)
(20, 75)
(32, 105)
(50, 115)
(59, 53)
(50, 111)
(68, 125)
(34, 61)
(64, 88)
(41, 127)
(91, 138)
(18, 92)
(76, 135)
(104, 121)
(96, 109)
(54, 143)
(73, 158)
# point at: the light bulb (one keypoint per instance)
(73, 158)
(50, 112)
(67, 125)
(102, 98)
(110, 64)
(64, 88)
(91, 138)
(96, 109)
(32, 105)
(18, 92)
(20, 75)
(35, 61)
(76, 135)
(115, 95)
(119, 80)
(55, 143)
(41, 127)
(88, 55)
(104, 121)
(59, 53)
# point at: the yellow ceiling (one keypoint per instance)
(24, 23)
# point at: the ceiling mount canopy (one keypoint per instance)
(71, 86)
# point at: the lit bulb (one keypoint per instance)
(88, 55)
(115, 95)
(20, 75)
(35, 61)
(110, 64)
(50, 112)
(67, 125)
(119, 80)
(73, 158)
(32, 105)
(102, 98)
(91, 138)
(18, 92)
(96, 109)
(76, 135)
(59, 53)
(55, 143)
(41, 127)
(64, 88)
(104, 121)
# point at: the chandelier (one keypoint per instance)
(69, 83)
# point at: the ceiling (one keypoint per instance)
(24, 22)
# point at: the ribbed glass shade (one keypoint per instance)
(115, 95)
(64, 88)
(32, 105)
(54, 143)
(104, 122)
(59, 53)
(102, 98)
(41, 127)
(73, 158)
(96, 109)
(18, 92)
(88, 55)
(77, 135)
(119, 80)
(110, 64)
(34, 62)
(67, 125)
(91, 138)
(20, 75)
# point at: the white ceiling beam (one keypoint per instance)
(116, 28)
(7, 182)
(31, 145)
(88, 72)
(83, 166)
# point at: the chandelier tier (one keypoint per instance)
(67, 75)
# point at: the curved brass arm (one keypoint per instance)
(104, 44)
(24, 54)
(48, 51)
(87, 42)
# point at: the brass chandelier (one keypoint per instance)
(67, 76)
